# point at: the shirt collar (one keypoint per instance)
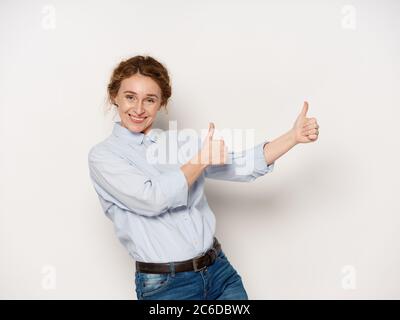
(135, 137)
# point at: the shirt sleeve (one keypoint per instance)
(243, 166)
(122, 183)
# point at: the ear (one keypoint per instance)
(111, 99)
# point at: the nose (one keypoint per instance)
(139, 109)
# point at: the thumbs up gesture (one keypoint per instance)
(305, 129)
(213, 152)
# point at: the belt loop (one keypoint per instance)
(172, 268)
(215, 253)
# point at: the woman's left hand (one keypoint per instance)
(305, 129)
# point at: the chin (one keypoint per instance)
(137, 127)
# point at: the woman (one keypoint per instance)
(159, 211)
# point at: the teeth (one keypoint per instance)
(138, 119)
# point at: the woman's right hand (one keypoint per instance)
(213, 152)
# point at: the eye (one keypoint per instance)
(129, 97)
(150, 100)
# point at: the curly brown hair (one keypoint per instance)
(145, 65)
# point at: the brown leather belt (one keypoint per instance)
(196, 264)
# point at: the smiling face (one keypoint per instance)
(138, 100)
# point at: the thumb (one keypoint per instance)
(305, 109)
(211, 129)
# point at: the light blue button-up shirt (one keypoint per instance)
(155, 215)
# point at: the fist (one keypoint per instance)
(305, 129)
(213, 152)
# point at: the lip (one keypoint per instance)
(137, 119)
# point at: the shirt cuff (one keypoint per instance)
(175, 188)
(260, 163)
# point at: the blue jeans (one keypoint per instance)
(218, 281)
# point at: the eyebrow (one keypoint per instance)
(149, 94)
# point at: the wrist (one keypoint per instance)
(198, 160)
(292, 137)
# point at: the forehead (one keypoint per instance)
(140, 84)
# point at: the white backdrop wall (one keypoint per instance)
(324, 224)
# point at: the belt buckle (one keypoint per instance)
(194, 262)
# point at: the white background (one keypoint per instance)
(324, 224)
